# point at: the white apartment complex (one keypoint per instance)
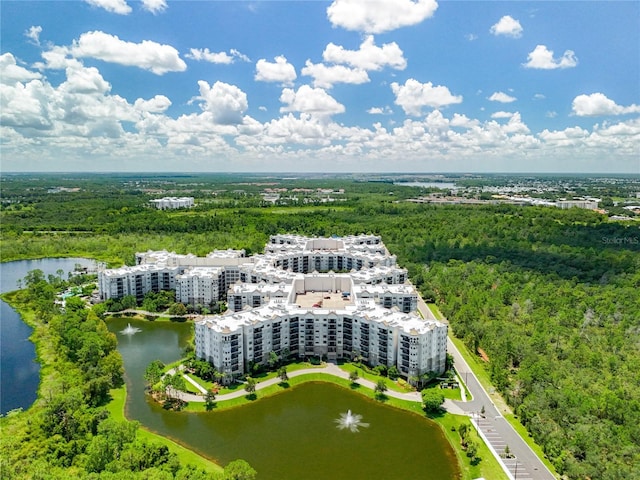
(589, 204)
(330, 297)
(167, 203)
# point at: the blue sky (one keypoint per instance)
(344, 85)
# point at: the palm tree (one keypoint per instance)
(353, 376)
(381, 387)
(282, 373)
(209, 399)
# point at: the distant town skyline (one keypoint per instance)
(320, 86)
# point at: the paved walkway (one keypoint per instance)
(188, 316)
(328, 369)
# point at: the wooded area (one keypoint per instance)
(68, 432)
(550, 295)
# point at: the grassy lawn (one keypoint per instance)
(190, 388)
(488, 467)
(372, 377)
(116, 410)
(450, 393)
(435, 310)
(259, 377)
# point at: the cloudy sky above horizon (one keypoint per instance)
(343, 85)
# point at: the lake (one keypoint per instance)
(292, 435)
(19, 371)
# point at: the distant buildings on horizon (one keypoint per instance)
(168, 203)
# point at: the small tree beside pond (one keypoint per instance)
(239, 470)
(381, 387)
(153, 373)
(282, 374)
(209, 399)
(250, 385)
(432, 400)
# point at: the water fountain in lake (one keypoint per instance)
(130, 330)
(350, 421)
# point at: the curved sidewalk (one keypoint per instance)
(328, 369)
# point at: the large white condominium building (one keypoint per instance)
(167, 203)
(368, 311)
(335, 297)
(206, 280)
(195, 279)
(136, 281)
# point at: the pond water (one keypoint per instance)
(19, 371)
(292, 435)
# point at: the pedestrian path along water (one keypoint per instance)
(327, 369)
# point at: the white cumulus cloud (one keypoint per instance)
(515, 125)
(154, 6)
(33, 34)
(147, 55)
(502, 115)
(326, 76)
(25, 105)
(569, 137)
(225, 102)
(204, 54)
(279, 71)
(368, 56)
(507, 26)
(305, 130)
(313, 101)
(380, 110)
(377, 16)
(114, 6)
(598, 104)
(87, 80)
(413, 95)
(542, 58)
(157, 104)
(502, 97)
(11, 72)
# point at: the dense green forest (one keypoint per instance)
(68, 432)
(550, 295)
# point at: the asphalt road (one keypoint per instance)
(496, 430)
